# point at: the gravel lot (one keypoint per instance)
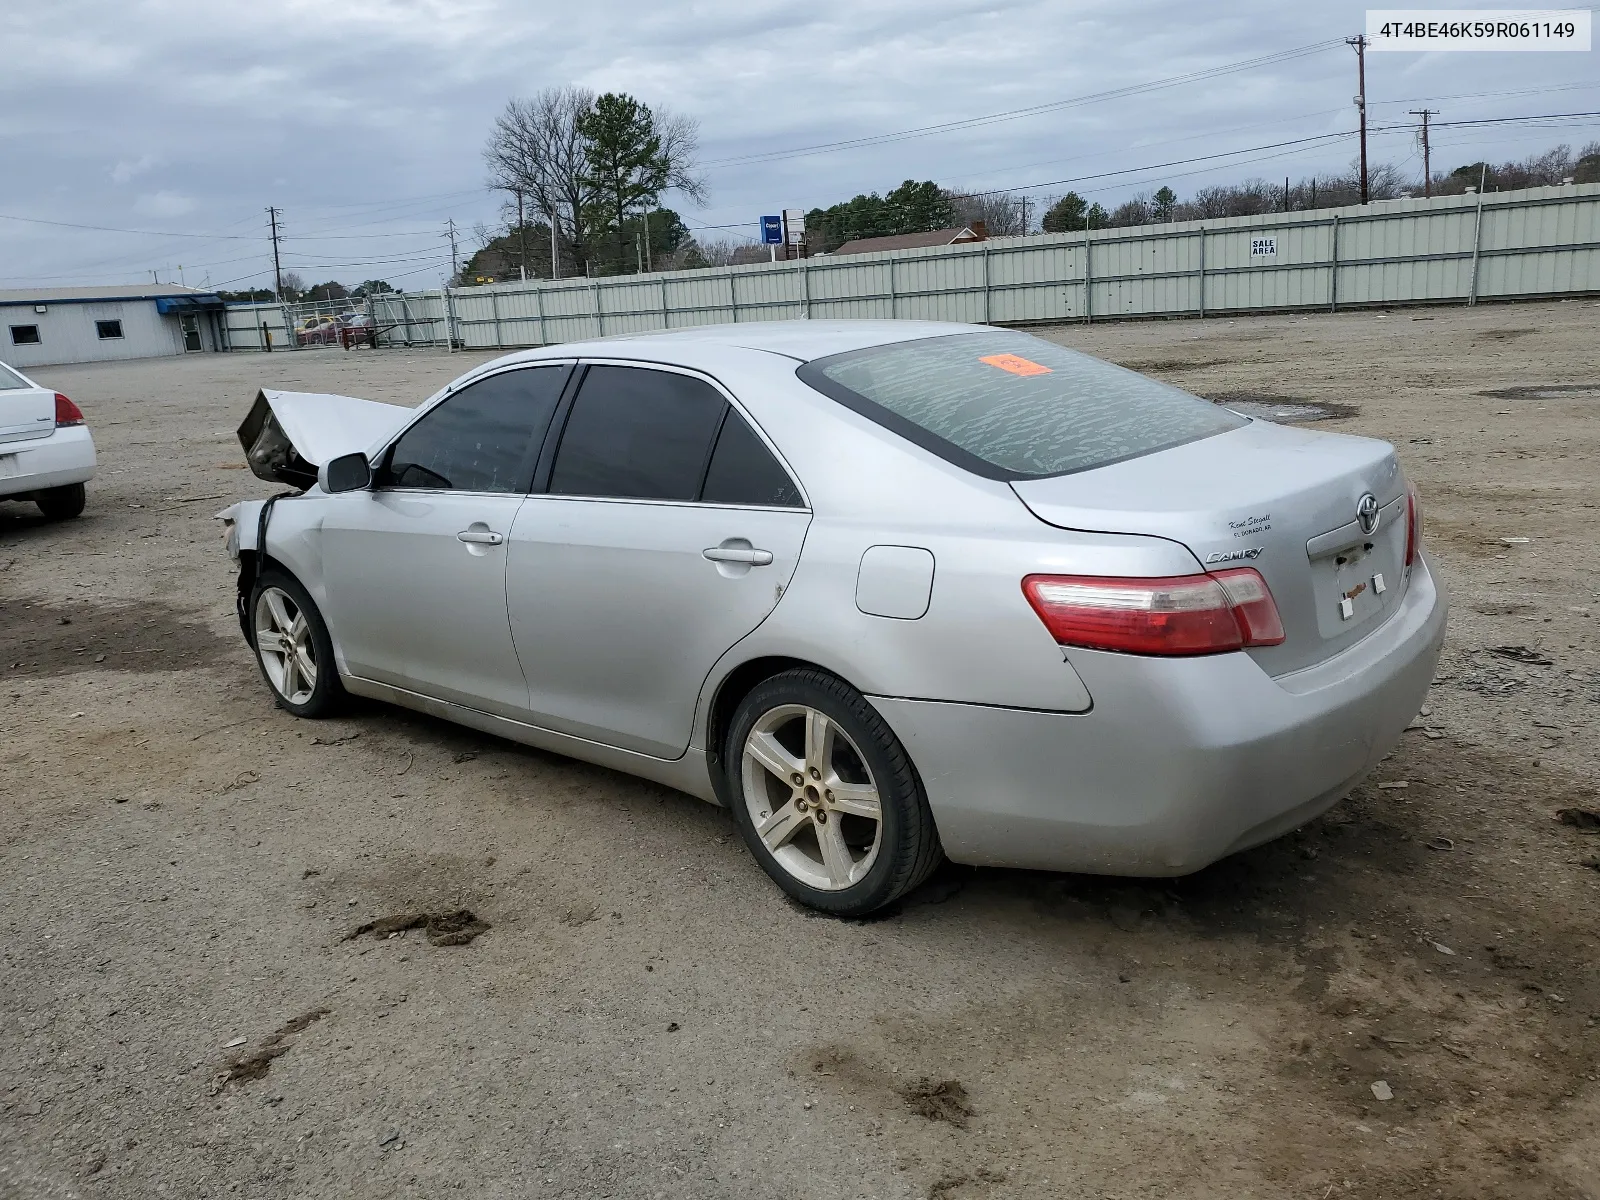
(647, 1016)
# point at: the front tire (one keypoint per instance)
(292, 647)
(61, 503)
(826, 797)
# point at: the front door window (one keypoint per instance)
(416, 567)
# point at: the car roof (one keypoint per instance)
(799, 340)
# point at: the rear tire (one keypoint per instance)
(61, 503)
(826, 797)
(292, 646)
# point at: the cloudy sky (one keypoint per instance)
(362, 120)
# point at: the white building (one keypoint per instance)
(45, 326)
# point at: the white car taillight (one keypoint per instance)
(67, 413)
(1182, 614)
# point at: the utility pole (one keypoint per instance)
(522, 236)
(1359, 42)
(1427, 163)
(277, 265)
(450, 232)
(1025, 216)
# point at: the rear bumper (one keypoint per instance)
(1180, 762)
(66, 456)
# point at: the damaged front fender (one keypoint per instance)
(288, 435)
(239, 522)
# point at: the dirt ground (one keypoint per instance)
(182, 1013)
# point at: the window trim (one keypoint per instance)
(811, 374)
(99, 329)
(36, 340)
(558, 429)
(381, 463)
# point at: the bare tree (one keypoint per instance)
(536, 152)
(715, 252)
(1139, 210)
(680, 153)
(1001, 212)
(1387, 182)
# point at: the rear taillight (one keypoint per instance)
(1253, 606)
(1182, 614)
(67, 413)
(1413, 524)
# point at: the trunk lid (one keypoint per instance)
(288, 435)
(1279, 499)
(26, 413)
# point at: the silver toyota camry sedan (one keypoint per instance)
(890, 591)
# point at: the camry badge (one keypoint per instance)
(1246, 554)
(1367, 514)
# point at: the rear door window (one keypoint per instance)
(744, 471)
(483, 438)
(637, 433)
(1012, 406)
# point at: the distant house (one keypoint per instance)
(916, 241)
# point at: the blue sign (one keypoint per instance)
(772, 231)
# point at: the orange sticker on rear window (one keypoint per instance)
(1015, 363)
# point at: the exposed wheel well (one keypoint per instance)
(734, 688)
(249, 570)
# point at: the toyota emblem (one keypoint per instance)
(1367, 513)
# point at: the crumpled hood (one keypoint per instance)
(288, 435)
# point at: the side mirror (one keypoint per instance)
(347, 473)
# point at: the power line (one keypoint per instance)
(1536, 91)
(232, 237)
(1177, 162)
(1507, 120)
(1033, 110)
(400, 254)
(344, 237)
(1286, 146)
(1277, 149)
(400, 201)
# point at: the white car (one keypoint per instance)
(46, 451)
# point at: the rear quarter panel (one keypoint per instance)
(979, 641)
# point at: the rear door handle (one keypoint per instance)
(737, 554)
(482, 536)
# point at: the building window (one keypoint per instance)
(24, 335)
(108, 329)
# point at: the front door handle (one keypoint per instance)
(484, 537)
(737, 554)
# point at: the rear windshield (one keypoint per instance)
(10, 380)
(1011, 406)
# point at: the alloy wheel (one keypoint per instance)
(284, 645)
(811, 797)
